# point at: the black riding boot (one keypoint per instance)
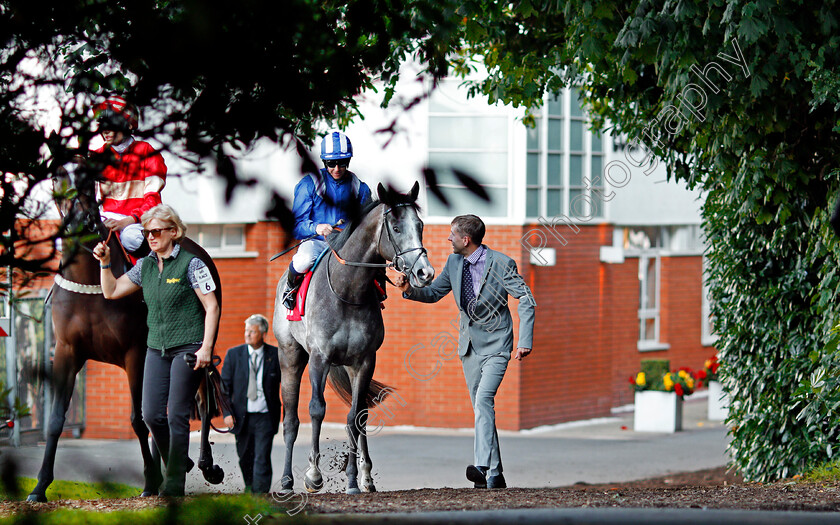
(292, 284)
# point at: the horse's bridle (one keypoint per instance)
(398, 263)
(90, 220)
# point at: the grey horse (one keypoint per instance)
(343, 328)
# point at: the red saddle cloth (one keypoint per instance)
(300, 303)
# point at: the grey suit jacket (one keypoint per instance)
(490, 330)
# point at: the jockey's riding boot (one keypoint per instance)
(292, 284)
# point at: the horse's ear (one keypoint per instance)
(412, 195)
(384, 195)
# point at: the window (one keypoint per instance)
(564, 162)
(470, 136)
(668, 240)
(649, 277)
(708, 337)
(220, 240)
(647, 242)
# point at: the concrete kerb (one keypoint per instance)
(579, 516)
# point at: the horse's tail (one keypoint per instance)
(340, 381)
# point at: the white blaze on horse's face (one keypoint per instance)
(406, 233)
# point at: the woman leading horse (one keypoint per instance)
(183, 318)
(90, 327)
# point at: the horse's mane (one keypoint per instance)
(338, 240)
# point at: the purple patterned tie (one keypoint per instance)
(467, 293)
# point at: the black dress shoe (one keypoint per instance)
(496, 482)
(477, 476)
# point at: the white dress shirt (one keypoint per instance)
(257, 355)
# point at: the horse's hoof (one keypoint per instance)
(214, 475)
(37, 498)
(147, 494)
(354, 490)
(313, 486)
(369, 488)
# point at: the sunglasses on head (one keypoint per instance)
(155, 233)
(340, 162)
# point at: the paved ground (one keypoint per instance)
(597, 451)
(586, 517)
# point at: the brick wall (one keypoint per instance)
(564, 379)
(680, 319)
(584, 342)
(107, 402)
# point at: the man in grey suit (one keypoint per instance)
(481, 280)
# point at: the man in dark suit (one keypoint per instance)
(481, 280)
(251, 378)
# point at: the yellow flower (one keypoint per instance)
(708, 363)
(689, 382)
(640, 379)
(669, 383)
(683, 374)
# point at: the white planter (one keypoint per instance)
(718, 402)
(657, 412)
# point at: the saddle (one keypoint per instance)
(300, 307)
(300, 303)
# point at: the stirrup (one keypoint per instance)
(290, 298)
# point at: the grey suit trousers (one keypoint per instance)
(484, 374)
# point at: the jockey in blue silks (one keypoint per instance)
(321, 200)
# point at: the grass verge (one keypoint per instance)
(61, 489)
(828, 472)
(207, 509)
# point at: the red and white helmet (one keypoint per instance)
(116, 113)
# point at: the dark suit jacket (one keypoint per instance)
(235, 381)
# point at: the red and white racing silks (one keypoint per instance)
(133, 186)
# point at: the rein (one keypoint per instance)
(111, 232)
(89, 289)
(215, 394)
(398, 263)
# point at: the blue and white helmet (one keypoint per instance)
(336, 146)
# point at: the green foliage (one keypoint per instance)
(62, 489)
(202, 510)
(654, 375)
(652, 372)
(655, 367)
(211, 77)
(762, 149)
(828, 472)
(10, 412)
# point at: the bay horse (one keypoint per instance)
(342, 328)
(89, 327)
